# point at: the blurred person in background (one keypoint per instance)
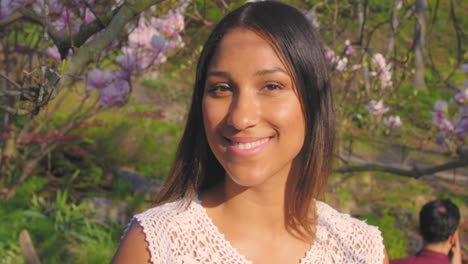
(438, 225)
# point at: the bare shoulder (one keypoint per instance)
(133, 248)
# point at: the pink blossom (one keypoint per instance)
(383, 70)
(8, 6)
(136, 60)
(114, 93)
(175, 43)
(121, 75)
(66, 24)
(461, 96)
(330, 56)
(376, 107)
(440, 106)
(439, 117)
(127, 60)
(88, 16)
(446, 125)
(170, 24)
(392, 122)
(379, 60)
(98, 79)
(56, 6)
(356, 67)
(349, 50)
(341, 64)
(463, 110)
(141, 37)
(442, 140)
(461, 125)
(53, 53)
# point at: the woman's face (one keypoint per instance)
(252, 116)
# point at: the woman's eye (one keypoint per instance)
(219, 90)
(273, 86)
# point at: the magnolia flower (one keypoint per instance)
(88, 16)
(171, 24)
(461, 125)
(440, 106)
(8, 6)
(379, 60)
(114, 93)
(330, 56)
(53, 53)
(67, 23)
(121, 75)
(383, 70)
(341, 64)
(98, 79)
(392, 122)
(461, 96)
(442, 140)
(356, 67)
(175, 43)
(463, 110)
(141, 37)
(127, 60)
(376, 107)
(349, 50)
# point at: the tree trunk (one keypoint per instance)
(393, 29)
(419, 33)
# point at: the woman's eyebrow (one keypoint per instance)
(218, 74)
(270, 71)
(260, 72)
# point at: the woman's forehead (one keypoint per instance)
(247, 48)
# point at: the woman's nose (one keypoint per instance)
(244, 111)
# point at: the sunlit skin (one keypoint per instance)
(255, 127)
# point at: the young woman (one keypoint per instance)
(255, 156)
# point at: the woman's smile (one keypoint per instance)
(247, 146)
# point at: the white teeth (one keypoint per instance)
(250, 145)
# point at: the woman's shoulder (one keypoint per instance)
(164, 225)
(353, 239)
(164, 211)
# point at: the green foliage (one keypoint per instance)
(395, 240)
(62, 230)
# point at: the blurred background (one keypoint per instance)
(94, 93)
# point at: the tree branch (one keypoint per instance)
(10, 80)
(412, 173)
(14, 111)
(91, 50)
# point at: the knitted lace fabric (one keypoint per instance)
(182, 233)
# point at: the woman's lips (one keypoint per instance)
(247, 146)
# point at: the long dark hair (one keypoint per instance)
(298, 45)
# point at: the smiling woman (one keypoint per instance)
(255, 156)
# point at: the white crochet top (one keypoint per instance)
(177, 234)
